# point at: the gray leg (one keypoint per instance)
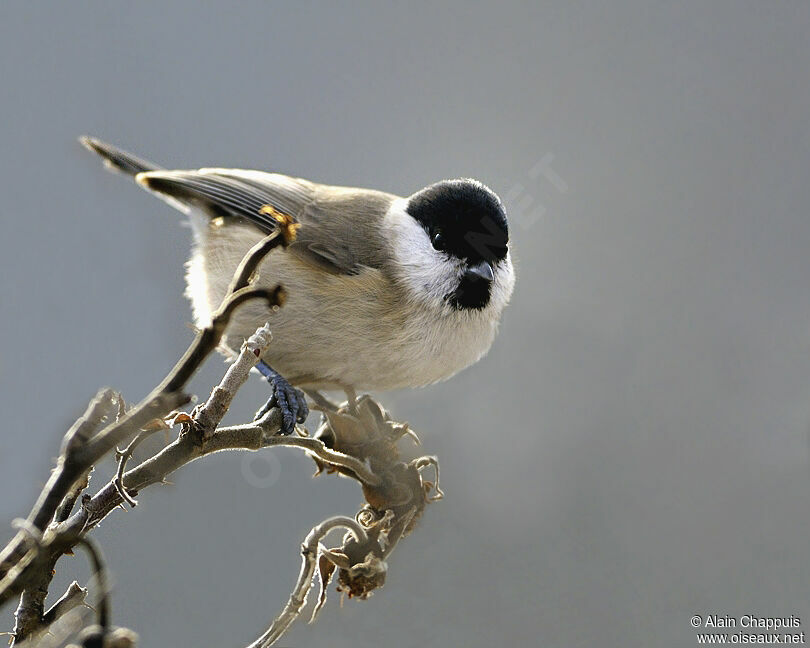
(288, 399)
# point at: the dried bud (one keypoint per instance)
(287, 225)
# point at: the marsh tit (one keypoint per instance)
(383, 292)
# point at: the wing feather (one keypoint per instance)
(339, 230)
(220, 195)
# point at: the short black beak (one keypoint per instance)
(480, 271)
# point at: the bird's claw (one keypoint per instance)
(290, 401)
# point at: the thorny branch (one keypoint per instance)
(97, 433)
(309, 555)
(356, 440)
(395, 499)
(74, 596)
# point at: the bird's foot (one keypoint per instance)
(290, 401)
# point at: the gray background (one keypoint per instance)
(633, 450)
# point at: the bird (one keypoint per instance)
(383, 291)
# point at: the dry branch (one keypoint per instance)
(309, 558)
(357, 440)
(362, 431)
(85, 444)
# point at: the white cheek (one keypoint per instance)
(427, 275)
(503, 285)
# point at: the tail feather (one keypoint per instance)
(116, 159)
(218, 193)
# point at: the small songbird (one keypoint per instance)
(383, 292)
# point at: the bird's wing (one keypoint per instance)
(339, 226)
(231, 193)
(340, 230)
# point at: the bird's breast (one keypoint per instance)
(336, 330)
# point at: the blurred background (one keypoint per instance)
(634, 448)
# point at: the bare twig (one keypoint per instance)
(210, 413)
(74, 596)
(424, 462)
(65, 507)
(208, 338)
(309, 559)
(72, 464)
(225, 437)
(250, 262)
(58, 620)
(81, 448)
(123, 456)
(29, 613)
(67, 472)
(100, 575)
(364, 437)
(357, 440)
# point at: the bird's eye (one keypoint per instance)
(438, 240)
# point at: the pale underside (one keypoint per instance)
(364, 331)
